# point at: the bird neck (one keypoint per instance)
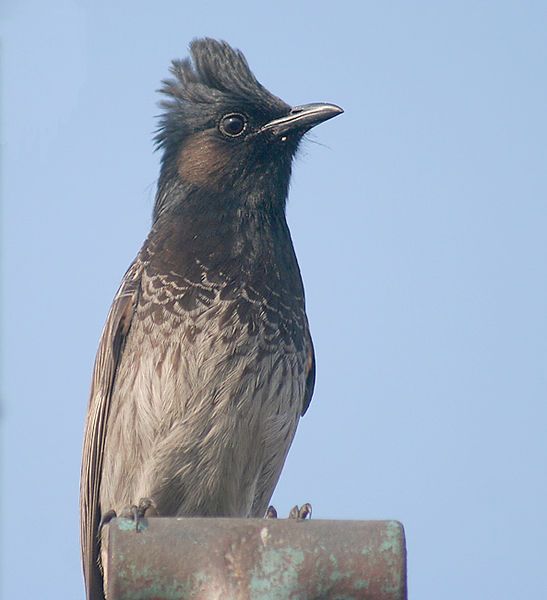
(220, 229)
(263, 189)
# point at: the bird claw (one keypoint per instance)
(106, 518)
(299, 514)
(145, 508)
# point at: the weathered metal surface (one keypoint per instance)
(255, 559)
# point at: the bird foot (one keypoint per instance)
(106, 518)
(297, 513)
(301, 513)
(145, 508)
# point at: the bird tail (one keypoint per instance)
(95, 585)
(93, 576)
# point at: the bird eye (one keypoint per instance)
(232, 125)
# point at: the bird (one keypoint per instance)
(206, 363)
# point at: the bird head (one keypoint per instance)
(221, 130)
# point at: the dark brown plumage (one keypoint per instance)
(206, 363)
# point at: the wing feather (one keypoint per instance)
(104, 374)
(310, 376)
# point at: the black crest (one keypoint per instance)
(216, 73)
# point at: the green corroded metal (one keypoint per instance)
(255, 559)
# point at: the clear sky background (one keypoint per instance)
(420, 224)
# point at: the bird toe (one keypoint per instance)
(301, 513)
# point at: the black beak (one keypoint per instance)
(302, 118)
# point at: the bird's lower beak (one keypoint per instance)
(302, 118)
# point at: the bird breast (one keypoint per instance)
(206, 400)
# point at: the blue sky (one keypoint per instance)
(419, 220)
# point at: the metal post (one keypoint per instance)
(255, 559)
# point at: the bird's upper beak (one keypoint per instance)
(303, 118)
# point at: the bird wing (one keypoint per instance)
(104, 373)
(310, 376)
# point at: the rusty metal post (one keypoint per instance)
(255, 559)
